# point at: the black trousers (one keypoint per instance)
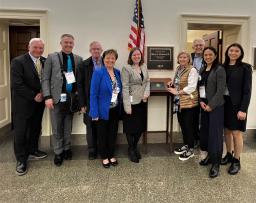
(27, 131)
(189, 125)
(91, 133)
(107, 133)
(211, 133)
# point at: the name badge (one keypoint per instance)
(70, 77)
(114, 97)
(131, 98)
(63, 97)
(202, 92)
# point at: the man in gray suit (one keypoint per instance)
(58, 83)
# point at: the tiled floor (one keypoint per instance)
(159, 177)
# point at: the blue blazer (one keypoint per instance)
(101, 93)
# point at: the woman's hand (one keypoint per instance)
(208, 108)
(172, 90)
(145, 98)
(203, 105)
(241, 115)
(129, 112)
(169, 83)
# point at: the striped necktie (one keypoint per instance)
(69, 69)
(39, 68)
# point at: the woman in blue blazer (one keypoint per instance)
(105, 105)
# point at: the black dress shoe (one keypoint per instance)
(137, 153)
(113, 163)
(92, 156)
(227, 159)
(235, 167)
(205, 161)
(67, 154)
(107, 165)
(21, 168)
(214, 171)
(132, 156)
(37, 155)
(58, 159)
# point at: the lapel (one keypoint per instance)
(42, 59)
(107, 79)
(31, 64)
(61, 58)
(136, 72)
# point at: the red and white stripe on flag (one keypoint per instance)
(137, 32)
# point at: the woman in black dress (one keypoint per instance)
(237, 99)
(136, 90)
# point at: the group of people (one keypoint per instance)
(220, 94)
(105, 95)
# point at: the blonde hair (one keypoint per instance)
(186, 53)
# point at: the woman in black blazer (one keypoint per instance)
(237, 99)
(212, 85)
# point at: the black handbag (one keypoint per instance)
(73, 102)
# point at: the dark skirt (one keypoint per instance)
(137, 121)
(231, 121)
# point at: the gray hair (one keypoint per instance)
(94, 42)
(200, 40)
(35, 40)
(67, 35)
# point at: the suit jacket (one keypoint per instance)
(52, 78)
(134, 86)
(84, 76)
(101, 93)
(216, 85)
(25, 84)
(240, 86)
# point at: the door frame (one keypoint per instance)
(241, 20)
(42, 16)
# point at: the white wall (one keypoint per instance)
(108, 21)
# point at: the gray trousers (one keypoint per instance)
(61, 129)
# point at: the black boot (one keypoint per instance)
(135, 145)
(235, 167)
(214, 171)
(131, 152)
(205, 161)
(227, 159)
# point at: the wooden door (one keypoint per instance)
(214, 40)
(19, 39)
(5, 98)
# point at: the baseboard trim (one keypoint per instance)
(5, 132)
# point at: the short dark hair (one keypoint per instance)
(216, 60)
(129, 61)
(239, 60)
(67, 35)
(109, 51)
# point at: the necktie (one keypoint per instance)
(69, 69)
(39, 68)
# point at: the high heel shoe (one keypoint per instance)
(227, 158)
(107, 165)
(113, 163)
(235, 167)
(205, 161)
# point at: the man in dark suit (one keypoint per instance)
(85, 72)
(27, 104)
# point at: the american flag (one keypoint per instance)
(137, 33)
